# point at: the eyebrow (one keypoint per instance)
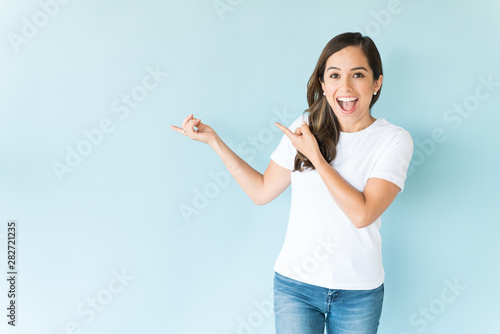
(352, 69)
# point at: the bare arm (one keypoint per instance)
(362, 208)
(261, 188)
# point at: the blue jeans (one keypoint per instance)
(301, 308)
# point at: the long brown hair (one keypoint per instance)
(323, 123)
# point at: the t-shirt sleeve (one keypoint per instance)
(284, 154)
(392, 165)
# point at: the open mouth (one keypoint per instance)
(347, 104)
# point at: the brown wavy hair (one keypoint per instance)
(323, 123)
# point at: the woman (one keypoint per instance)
(346, 168)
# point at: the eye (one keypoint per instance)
(334, 75)
(358, 75)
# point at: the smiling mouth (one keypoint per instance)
(347, 104)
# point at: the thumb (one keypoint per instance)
(305, 127)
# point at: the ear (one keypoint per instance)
(378, 83)
(322, 84)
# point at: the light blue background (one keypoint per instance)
(120, 208)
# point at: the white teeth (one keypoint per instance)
(347, 99)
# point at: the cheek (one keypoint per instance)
(331, 101)
(366, 89)
(330, 90)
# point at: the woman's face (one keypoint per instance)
(349, 87)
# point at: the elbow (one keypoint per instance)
(360, 225)
(362, 221)
(259, 201)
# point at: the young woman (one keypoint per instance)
(345, 168)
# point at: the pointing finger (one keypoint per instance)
(176, 128)
(284, 129)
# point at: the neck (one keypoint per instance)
(357, 126)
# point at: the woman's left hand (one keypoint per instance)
(303, 140)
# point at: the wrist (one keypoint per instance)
(215, 142)
(317, 159)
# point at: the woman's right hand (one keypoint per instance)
(260, 188)
(204, 133)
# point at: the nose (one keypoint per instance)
(346, 84)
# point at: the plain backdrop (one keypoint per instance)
(125, 226)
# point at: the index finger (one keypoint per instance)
(284, 129)
(180, 130)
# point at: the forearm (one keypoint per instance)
(250, 180)
(361, 207)
(351, 201)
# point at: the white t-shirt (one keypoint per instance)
(322, 246)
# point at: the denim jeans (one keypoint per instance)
(301, 308)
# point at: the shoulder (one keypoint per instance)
(392, 132)
(391, 138)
